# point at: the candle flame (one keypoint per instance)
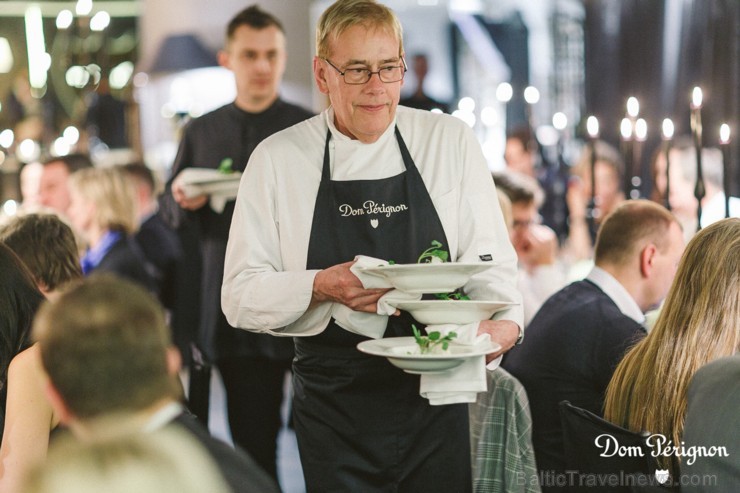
(641, 129)
(531, 95)
(626, 128)
(504, 92)
(559, 120)
(724, 134)
(592, 126)
(633, 107)
(668, 129)
(696, 97)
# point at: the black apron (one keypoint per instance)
(361, 423)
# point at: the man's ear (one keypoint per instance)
(223, 59)
(174, 360)
(319, 75)
(647, 256)
(60, 408)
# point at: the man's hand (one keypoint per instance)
(189, 204)
(504, 332)
(340, 285)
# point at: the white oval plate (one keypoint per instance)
(403, 352)
(433, 312)
(442, 277)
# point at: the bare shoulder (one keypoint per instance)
(26, 365)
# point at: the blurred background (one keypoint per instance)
(120, 78)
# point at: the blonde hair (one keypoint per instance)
(112, 193)
(345, 14)
(698, 324)
(164, 461)
(628, 227)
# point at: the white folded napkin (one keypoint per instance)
(463, 383)
(219, 199)
(370, 324)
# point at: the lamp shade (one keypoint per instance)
(181, 52)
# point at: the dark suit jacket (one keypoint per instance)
(126, 260)
(161, 248)
(713, 420)
(238, 468)
(570, 351)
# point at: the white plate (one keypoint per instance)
(207, 181)
(443, 277)
(227, 189)
(403, 352)
(199, 176)
(432, 312)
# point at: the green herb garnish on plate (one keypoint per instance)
(432, 340)
(434, 253)
(457, 295)
(225, 166)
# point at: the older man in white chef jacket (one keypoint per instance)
(364, 177)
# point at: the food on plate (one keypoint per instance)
(434, 254)
(455, 295)
(225, 166)
(432, 341)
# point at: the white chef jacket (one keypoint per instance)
(266, 286)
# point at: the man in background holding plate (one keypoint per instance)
(364, 178)
(252, 366)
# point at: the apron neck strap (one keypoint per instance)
(405, 155)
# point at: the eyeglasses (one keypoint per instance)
(358, 76)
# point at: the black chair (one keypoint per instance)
(586, 437)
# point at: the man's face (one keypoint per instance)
(365, 111)
(53, 191)
(257, 58)
(665, 265)
(523, 215)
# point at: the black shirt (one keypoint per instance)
(227, 132)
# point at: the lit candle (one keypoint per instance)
(633, 107)
(531, 97)
(667, 136)
(592, 127)
(724, 144)
(560, 122)
(699, 190)
(626, 130)
(640, 137)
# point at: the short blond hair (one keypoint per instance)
(627, 227)
(344, 14)
(112, 193)
(167, 460)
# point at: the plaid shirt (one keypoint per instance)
(502, 456)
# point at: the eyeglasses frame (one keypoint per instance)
(370, 73)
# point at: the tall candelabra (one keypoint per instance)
(699, 189)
